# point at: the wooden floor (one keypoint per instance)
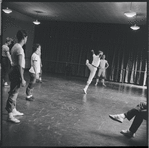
(61, 115)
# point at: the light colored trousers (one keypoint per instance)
(92, 72)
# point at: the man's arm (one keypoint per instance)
(107, 65)
(9, 57)
(21, 69)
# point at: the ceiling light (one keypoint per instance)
(130, 14)
(36, 22)
(7, 10)
(135, 27)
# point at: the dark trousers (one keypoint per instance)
(140, 113)
(5, 68)
(31, 84)
(15, 82)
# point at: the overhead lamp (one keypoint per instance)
(135, 27)
(7, 10)
(36, 22)
(130, 13)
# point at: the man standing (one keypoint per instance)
(6, 61)
(102, 68)
(16, 76)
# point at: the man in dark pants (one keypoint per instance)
(139, 113)
(16, 76)
(6, 61)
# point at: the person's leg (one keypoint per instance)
(11, 102)
(133, 112)
(135, 124)
(7, 67)
(30, 87)
(91, 76)
(130, 113)
(98, 76)
(4, 71)
(103, 77)
(137, 121)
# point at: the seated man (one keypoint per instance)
(139, 112)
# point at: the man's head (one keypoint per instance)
(103, 56)
(9, 40)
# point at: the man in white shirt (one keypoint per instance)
(102, 68)
(93, 68)
(16, 76)
(34, 71)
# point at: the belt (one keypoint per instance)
(94, 66)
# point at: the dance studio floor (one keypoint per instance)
(61, 115)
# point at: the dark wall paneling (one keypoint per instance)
(67, 45)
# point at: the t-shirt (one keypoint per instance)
(15, 51)
(5, 49)
(96, 60)
(35, 57)
(103, 63)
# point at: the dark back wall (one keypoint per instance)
(67, 45)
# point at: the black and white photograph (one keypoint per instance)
(74, 73)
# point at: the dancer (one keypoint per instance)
(93, 68)
(40, 74)
(139, 113)
(34, 71)
(16, 75)
(102, 68)
(6, 61)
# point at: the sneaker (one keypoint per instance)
(87, 61)
(84, 91)
(6, 84)
(96, 84)
(17, 113)
(128, 133)
(30, 98)
(11, 118)
(104, 85)
(118, 118)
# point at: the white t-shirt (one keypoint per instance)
(5, 49)
(15, 51)
(96, 60)
(35, 57)
(103, 63)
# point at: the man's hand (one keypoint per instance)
(37, 76)
(23, 83)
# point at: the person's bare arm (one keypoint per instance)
(9, 57)
(21, 70)
(107, 65)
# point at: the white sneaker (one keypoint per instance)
(87, 61)
(117, 117)
(12, 118)
(84, 91)
(104, 85)
(128, 133)
(16, 113)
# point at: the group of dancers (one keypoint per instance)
(16, 77)
(16, 73)
(98, 62)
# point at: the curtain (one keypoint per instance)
(67, 45)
